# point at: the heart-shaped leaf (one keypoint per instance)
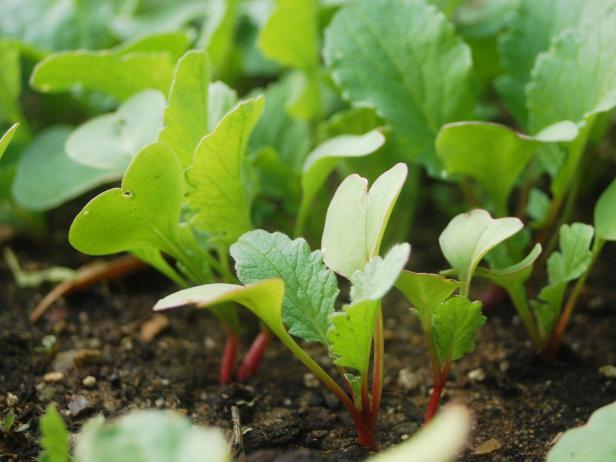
(356, 220)
(143, 213)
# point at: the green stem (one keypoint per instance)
(518, 298)
(377, 368)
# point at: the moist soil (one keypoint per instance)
(521, 403)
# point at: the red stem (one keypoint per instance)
(227, 364)
(437, 390)
(254, 356)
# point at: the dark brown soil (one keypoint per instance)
(523, 402)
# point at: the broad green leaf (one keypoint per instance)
(323, 160)
(350, 335)
(175, 43)
(356, 220)
(143, 213)
(492, 154)
(110, 141)
(531, 33)
(46, 177)
(425, 291)
(514, 274)
(290, 35)
(6, 139)
(548, 305)
(574, 256)
(605, 214)
(310, 287)
(454, 325)
(112, 72)
(55, 438)
(380, 274)
(221, 99)
(169, 436)
(391, 55)
(219, 29)
(219, 200)
(439, 441)
(186, 115)
(575, 78)
(593, 442)
(470, 236)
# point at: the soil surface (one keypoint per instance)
(520, 402)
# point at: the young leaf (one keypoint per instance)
(593, 442)
(350, 335)
(391, 55)
(323, 159)
(170, 436)
(46, 177)
(10, 81)
(470, 236)
(110, 141)
(219, 198)
(605, 215)
(221, 99)
(6, 139)
(356, 220)
(380, 274)
(143, 213)
(310, 287)
(548, 305)
(55, 438)
(218, 31)
(493, 154)
(514, 274)
(454, 325)
(425, 291)
(574, 256)
(186, 115)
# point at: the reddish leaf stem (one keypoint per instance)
(227, 364)
(254, 356)
(437, 391)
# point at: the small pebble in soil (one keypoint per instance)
(408, 380)
(77, 405)
(53, 377)
(11, 399)
(310, 381)
(209, 343)
(487, 447)
(89, 381)
(477, 375)
(608, 371)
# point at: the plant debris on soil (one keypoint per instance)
(112, 354)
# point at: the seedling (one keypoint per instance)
(293, 290)
(8, 424)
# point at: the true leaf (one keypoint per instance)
(548, 305)
(605, 215)
(356, 220)
(218, 31)
(55, 437)
(425, 291)
(221, 99)
(175, 43)
(143, 213)
(538, 205)
(6, 139)
(110, 141)
(470, 236)
(574, 256)
(391, 55)
(454, 325)
(310, 287)
(219, 199)
(186, 115)
(380, 274)
(46, 177)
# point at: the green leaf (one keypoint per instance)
(6, 139)
(454, 325)
(290, 36)
(439, 441)
(356, 220)
(221, 99)
(425, 291)
(470, 236)
(593, 442)
(324, 158)
(175, 43)
(110, 141)
(219, 199)
(391, 55)
(350, 335)
(493, 154)
(605, 214)
(10, 81)
(574, 256)
(186, 115)
(548, 305)
(514, 274)
(574, 79)
(219, 29)
(538, 205)
(169, 436)
(380, 274)
(54, 436)
(46, 177)
(310, 287)
(143, 213)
